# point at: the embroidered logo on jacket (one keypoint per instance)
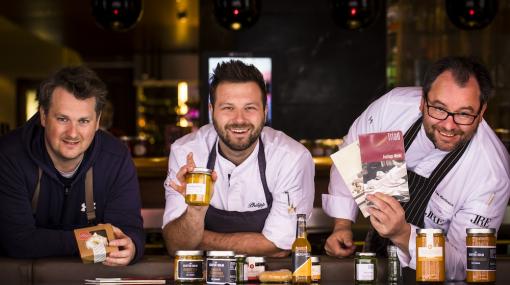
(256, 205)
(435, 219)
(481, 221)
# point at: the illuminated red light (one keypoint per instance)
(236, 12)
(115, 12)
(353, 11)
(471, 12)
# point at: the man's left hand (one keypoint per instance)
(388, 219)
(126, 252)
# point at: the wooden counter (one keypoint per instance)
(71, 271)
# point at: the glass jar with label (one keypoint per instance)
(256, 265)
(430, 255)
(242, 268)
(221, 267)
(365, 271)
(189, 266)
(316, 269)
(198, 187)
(481, 255)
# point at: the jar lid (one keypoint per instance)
(370, 254)
(481, 231)
(392, 250)
(220, 253)
(240, 256)
(256, 259)
(429, 231)
(315, 259)
(189, 252)
(201, 170)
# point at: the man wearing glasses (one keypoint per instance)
(458, 168)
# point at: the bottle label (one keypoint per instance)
(195, 189)
(316, 272)
(481, 258)
(365, 272)
(190, 269)
(302, 263)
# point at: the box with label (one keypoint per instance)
(93, 242)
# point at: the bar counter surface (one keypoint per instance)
(70, 270)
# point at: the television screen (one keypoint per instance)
(263, 64)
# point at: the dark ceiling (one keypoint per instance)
(70, 23)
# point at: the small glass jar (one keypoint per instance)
(365, 268)
(316, 269)
(256, 265)
(241, 268)
(198, 187)
(189, 266)
(430, 255)
(221, 267)
(481, 255)
(394, 269)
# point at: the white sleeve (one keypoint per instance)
(175, 204)
(297, 180)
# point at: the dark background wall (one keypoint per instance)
(324, 76)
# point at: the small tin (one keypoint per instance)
(256, 265)
(221, 267)
(316, 269)
(481, 255)
(198, 187)
(365, 267)
(189, 266)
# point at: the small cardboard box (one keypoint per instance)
(93, 242)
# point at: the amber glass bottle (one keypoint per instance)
(301, 254)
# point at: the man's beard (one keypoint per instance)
(430, 131)
(230, 143)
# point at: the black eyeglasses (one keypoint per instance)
(459, 118)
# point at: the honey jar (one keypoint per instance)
(481, 255)
(198, 187)
(430, 255)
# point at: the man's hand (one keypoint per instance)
(340, 243)
(180, 184)
(127, 249)
(388, 219)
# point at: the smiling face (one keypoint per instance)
(238, 115)
(446, 94)
(69, 128)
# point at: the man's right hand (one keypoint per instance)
(340, 243)
(180, 184)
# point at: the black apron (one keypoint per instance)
(420, 191)
(233, 221)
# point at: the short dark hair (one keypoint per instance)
(80, 81)
(236, 71)
(462, 68)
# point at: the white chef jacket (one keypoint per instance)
(289, 171)
(474, 194)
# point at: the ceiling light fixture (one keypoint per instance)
(237, 14)
(117, 15)
(355, 14)
(471, 14)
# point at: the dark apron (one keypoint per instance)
(420, 191)
(89, 196)
(233, 221)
